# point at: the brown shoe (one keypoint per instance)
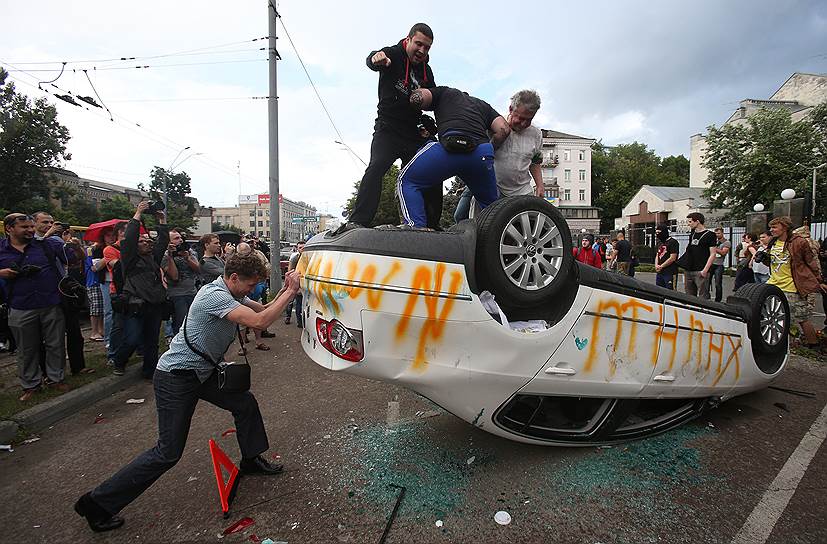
(28, 394)
(60, 386)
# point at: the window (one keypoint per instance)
(581, 155)
(261, 223)
(582, 175)
(567, 155)
(252, 213)
(582, 195)
(260, 213)
(567, 194)
(252, 223)
(567, 175)
(267, 223)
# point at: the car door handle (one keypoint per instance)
(561, 371)
(663, 378)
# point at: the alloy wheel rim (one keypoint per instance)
(531, 250)
(772, 320)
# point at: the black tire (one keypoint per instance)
(769, 323)
(523, 250)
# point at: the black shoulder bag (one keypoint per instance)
(232, 377)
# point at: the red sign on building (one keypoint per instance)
(264, 199)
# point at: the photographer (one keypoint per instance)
(30, 268)
(143, 296)
(180, 264)
(186, 374)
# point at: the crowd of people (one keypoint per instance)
(783, 256)
(127, 282)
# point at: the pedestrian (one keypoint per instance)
(297, 302)
(186, 374)
(244, 248)
(518, 160)
(402, 68)
(760, 270)
(587, 254)
(609, 259)
(666, 269)
(31, 270)
(464, 149)
(110, 289)
(94, 271)
(722, 248)
(746, 252)
(181, 268)
(623, 254)
(795, 269)
(72, 306)
(698, 258)
(464, 203)
(211, 263)
(143, 292)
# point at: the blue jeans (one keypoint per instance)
(176, 395)
(181, 305)
(761, 278)
(463, 206)
(288, 311)
(717, 274)
(141, 330)
(107, 311)
(432, 165)
(665, 280)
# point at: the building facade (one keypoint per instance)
(567, 178)
(252, 215)
(93, 191)
(799, 94)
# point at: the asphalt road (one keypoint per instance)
(344, 446)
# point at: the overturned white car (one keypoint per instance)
(613, 359)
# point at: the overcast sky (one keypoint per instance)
(655, 72)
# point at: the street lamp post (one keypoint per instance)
(169, 172)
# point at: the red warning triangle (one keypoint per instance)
(226, 492)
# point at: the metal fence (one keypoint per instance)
(644, 239)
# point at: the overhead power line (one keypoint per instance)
(141, 67)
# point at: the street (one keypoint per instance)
(346, 441)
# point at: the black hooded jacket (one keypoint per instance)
(395, 85)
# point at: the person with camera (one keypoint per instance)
(32, 272)
(211, 263)
(188, 372)
(181, 267)
(143, 295)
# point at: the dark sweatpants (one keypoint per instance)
(386, 147)
(176, 395)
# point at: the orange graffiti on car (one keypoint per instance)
(619, 311)
(429, 285)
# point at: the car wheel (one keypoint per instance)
(523, 250)
(769, 321)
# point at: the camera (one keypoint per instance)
(183, 246)
(27, 270)
(155, 206)
(763, 257)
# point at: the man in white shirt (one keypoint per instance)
(518, 160)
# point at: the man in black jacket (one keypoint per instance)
(144, 294)
(402, 68)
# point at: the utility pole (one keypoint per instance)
(273, 133)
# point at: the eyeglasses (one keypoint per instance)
(10, 221)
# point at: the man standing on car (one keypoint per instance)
(402, 69)
(144, 293)
(518, 160)
(463, 149)
(184, 377)
(665, 267)
(699, 256)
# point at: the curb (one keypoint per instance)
(41, 416)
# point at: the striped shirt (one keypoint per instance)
(208, 331)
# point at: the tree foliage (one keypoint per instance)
(181, 207)
(218, 227)
(388, 211)
(31, 139)
(619, 172)
(117, 207)
(753, 162)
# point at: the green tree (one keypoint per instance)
(619, 172)
(388, 211)
(181, 207)
(753, 162)
(218, 227)
(31, 139)
(78, 211)
(117, 207)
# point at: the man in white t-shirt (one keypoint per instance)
(518, 160)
